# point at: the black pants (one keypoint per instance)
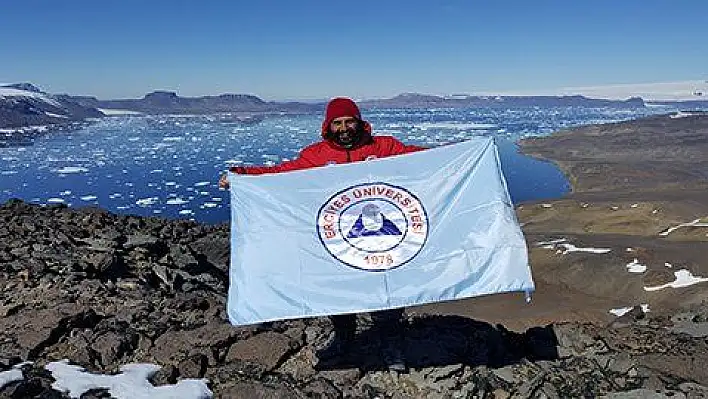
(389, 321)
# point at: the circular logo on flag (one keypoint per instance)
(373, 226)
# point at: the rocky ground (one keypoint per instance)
(104, 290)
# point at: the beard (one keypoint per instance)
(347, 138)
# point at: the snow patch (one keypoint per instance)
(113, 112)
(131, 383)
(636, 267)
(695, 223)
(684, 278)
(622, 311)
(10, 92)
(12, 375)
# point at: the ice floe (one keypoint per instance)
(147, 201)
(176, 201)
(71, 169)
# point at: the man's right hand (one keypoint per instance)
(224, 181)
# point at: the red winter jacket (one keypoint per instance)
(326, 152)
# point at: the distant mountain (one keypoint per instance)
(161, 102)
(23, 104)
(415, 100)
(167, 102)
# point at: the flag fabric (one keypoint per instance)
(424, 227)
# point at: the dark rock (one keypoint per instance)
(103, 264)
(256, 390)
(193, 366)
(166, 375)
(167, 306)
(142, 240)
(267, 349)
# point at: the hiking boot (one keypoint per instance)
(392, 354)
(339, 344)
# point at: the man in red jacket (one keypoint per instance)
(347, 138)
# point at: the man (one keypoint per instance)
(347, 138)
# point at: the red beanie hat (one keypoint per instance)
(337, 108)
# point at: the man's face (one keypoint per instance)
(345, 131)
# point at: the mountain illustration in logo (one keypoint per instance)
(372, 222)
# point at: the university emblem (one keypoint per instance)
(373, 226)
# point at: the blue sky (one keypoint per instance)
(316, 49)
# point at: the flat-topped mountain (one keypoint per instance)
(414, 100)
(167, 102)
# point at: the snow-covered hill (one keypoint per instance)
(25, 105)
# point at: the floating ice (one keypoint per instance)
(131, 383)
(71, 169)
(88, 197)
(55, 201)
(176, 201)
(147, 201)
(202, 184)
(210, 205)
(186, 212)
